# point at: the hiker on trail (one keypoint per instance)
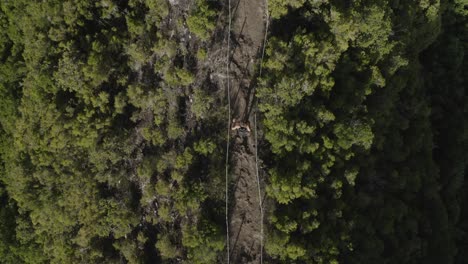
(240, 126)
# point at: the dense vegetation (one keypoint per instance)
(99, 161)
(112, 139)
(365, 112)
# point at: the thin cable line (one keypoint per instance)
(259, 191)
(228, 134)
(267, 24)
(256, 143)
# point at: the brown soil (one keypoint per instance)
(248, 27)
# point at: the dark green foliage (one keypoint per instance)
(201, 21)
(356, 104)
(112, 141)
(91, 165)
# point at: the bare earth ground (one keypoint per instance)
(245, 218)
(247, 33)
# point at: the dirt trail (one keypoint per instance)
(247, 33)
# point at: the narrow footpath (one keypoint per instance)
(248, 29)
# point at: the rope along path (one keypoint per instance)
(228, 134)
(256, 143)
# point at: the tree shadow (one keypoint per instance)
(237, 236)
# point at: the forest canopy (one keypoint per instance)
(112, 131)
